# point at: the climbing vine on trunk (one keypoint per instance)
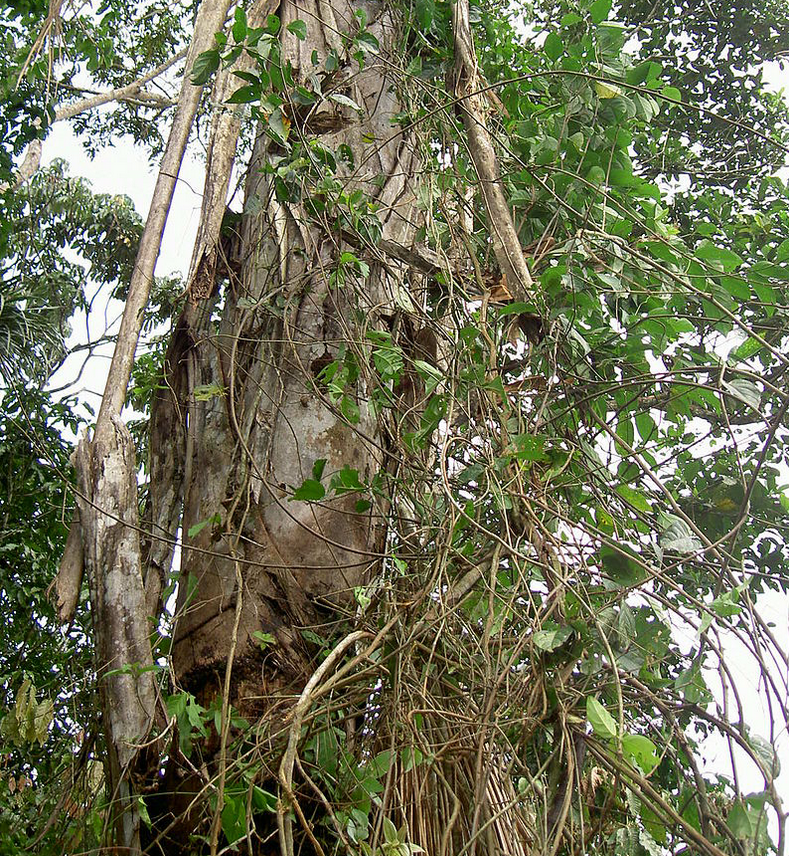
(468, 453)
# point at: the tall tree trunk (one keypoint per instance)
(259, 419)
(256, 409)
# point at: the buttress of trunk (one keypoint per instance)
(258, 413)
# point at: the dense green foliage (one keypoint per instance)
(603, 460)
(35, 507)
(64, 238)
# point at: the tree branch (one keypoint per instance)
(132, 91)
(108, 461)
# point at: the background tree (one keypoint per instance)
(466, 540)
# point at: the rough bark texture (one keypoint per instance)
(108, 515)
(250, 445)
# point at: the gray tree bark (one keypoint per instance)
(256, 415)
(107, 502)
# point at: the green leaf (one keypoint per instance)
(263, 800)
(429, 374)
(311, 490)
(726, 603)
(550, 640)
(298, 28)
(264, 639)
(603, 724)
(649, 844)
(726, 259)
(204, 66)
(529, 447)
(361, 596)
(645, 425)
(676, 535)
(671, 92)
(782, 253)
(195, 714)
(239, 25)
(345, 101)
(346, 481)
(599, 10)
(213, 520)
(554, 46)
(518, 309)
(739, 821)
(246, 94)
(279, 126)
(368, 42)
(425, 12)
(390, 832)
(765, 753)
(634, 497)
(642, 750)
(736, 287)
(644, 72)
(595, 175)
(143, 810)
(28, 720)
(317, 468)
(234, 817)
(625, 626)
(619, 564)
(606, 90)
(745, 390)
(411, 757)
(379, 766)
(349, 409)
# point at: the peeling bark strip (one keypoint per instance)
(220, 157)
(506, 245)
(68, 583)
(107, 502)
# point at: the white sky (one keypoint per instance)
(124, 168)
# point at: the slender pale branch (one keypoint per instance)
(132, 91)
(210, 19)
(472, 107)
